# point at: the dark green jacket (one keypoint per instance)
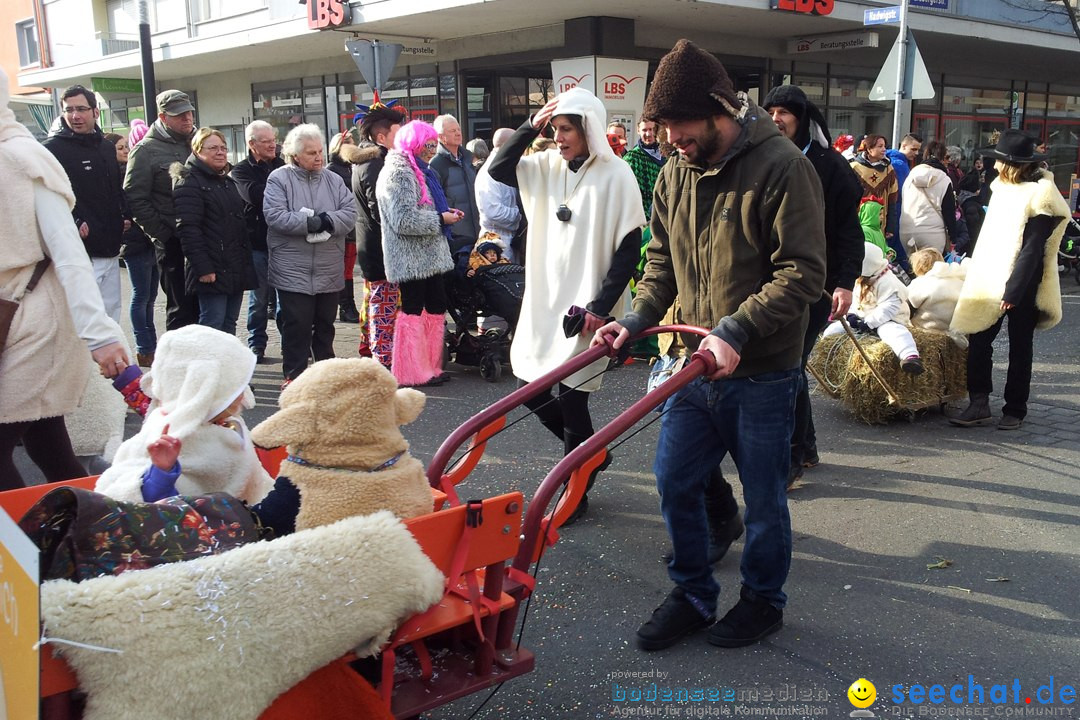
(148, 185)
(742, 244)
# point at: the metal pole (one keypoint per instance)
(378, 67)
(901, 68)
(149, 86)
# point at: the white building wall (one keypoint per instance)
(223, 99)
(71, 31)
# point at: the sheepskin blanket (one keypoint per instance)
(236, 630)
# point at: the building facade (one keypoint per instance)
(992, 64)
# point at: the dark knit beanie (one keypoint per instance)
(690, 84)
(790, 97)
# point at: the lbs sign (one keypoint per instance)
(322, 14)
(807, 7)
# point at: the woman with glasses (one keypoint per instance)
(218, 265)
(416, 220)
(308, 211)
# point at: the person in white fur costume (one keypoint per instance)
(1013, 274)
(881, 306)
(198, 385)
(584, 240)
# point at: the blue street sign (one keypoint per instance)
(880, 16)
(932, 4)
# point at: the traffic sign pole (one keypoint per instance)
(901, 67)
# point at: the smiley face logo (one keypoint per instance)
(862, 693)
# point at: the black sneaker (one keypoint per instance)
(673, 620)
(580, 511)
(746, 623)
(721, 537)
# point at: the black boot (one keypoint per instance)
(976, 413)
(347, 304)
(570, 442)
(722, 512)
(725, 523)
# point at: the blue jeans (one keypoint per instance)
(143, 270)
(752, 419)
(257, 302)
(220, 311)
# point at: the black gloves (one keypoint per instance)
(320, 223)
(857, 323)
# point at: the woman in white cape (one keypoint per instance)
(583, 242)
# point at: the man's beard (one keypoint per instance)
(707, 145)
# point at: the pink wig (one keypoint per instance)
(410, 139)
(138, 132)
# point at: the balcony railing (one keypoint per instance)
(114, 43)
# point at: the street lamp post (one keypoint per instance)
(149, 85)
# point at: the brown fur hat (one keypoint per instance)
(340, 422)
(690, 84)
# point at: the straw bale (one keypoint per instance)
(846, 375)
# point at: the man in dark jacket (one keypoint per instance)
(250, 176)
(738, 235)
(149, 195)
(90, 163)
(454, 166)
(377, 125)
(802, 123)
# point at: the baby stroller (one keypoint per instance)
(1069, 250)
(492, 290)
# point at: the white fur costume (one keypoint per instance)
(566, 262)
(222, 636)
(886, 310)
(1011, 206)
(197, 373)
(934, 295)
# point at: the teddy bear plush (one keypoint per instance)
(340, 423)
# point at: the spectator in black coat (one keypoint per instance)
(802, 122)
(213, 233)
(100, 212)
(250, 176)
(457, 176)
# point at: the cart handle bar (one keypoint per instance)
(482, 425)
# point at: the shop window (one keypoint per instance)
(850, 111)
(448, 94)
(971, 116)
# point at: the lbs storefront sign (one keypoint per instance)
(806, 7)
(328, 14)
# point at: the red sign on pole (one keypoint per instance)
(324, 14)
(807, 7)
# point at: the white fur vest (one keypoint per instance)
(414, 247)
(1011, 206)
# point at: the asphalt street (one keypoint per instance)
(998, 511)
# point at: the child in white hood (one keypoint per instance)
(880, 306)
(935, 290)
(198, 385)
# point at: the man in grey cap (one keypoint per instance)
(149, 195)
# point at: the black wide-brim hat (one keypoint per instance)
(1016, 146)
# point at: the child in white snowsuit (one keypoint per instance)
(881, 306)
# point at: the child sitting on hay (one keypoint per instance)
(934, 291)
(881, 307)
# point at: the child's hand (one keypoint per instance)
(472, 271)
(164, 451)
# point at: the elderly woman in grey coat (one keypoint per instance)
(308, 214)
